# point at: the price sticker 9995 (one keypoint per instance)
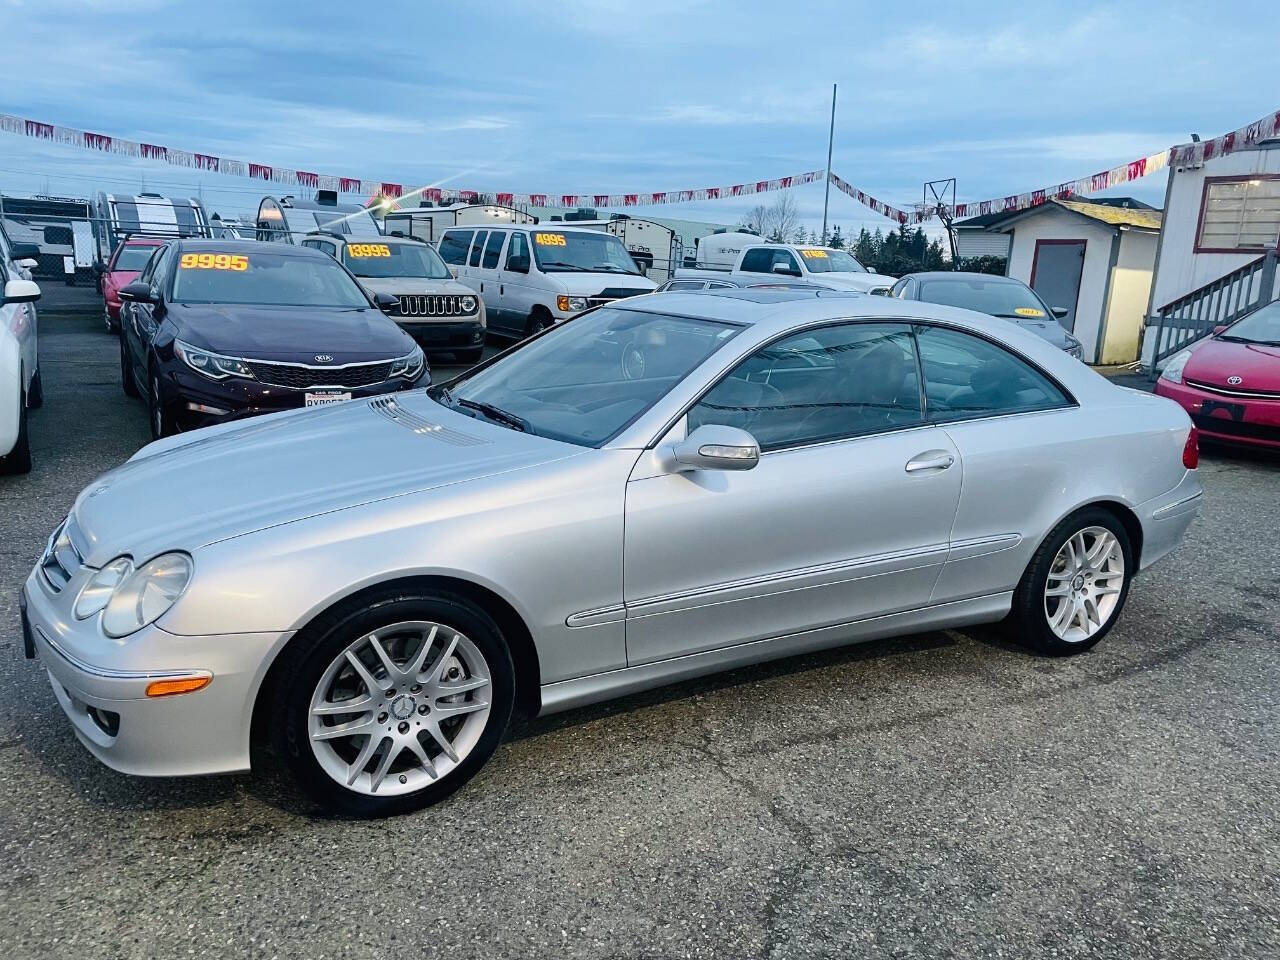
(214, 261)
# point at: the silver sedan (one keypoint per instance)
(661, 488)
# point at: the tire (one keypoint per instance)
(469, 357)
(161, 422)
(315, 665)
(18, 460)
(1062, 622)
(113, 326)
(35, 392)
(126, 369)
(539, 319)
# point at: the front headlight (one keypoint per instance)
(212, 365)
(95, 594)
(468, 304)
(146, 594)
(1173, 369)
(408, 366)
(566, 304)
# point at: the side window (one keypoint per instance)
(966, 376)
(715, 285)
(159, 265)
(757, 261)
(839, 381)
(493, 249)
(477, 248)
(519, 247)
(899, 290)
(149, 268)
(686, 285)
(453, 246)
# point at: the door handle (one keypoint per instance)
(931, 460)
(482, 288)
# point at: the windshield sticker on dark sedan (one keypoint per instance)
(1028, 312)
(549, 239)
(363, 250)
(213, 261)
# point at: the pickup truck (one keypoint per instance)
(825, 265)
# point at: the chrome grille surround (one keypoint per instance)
(63, 555)
(431, 305)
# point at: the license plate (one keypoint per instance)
(324, 398)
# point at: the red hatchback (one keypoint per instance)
(1230, 383)
(122, 269)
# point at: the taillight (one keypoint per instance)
(1191, 450)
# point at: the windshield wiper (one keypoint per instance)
(561, 265)
(498, 414)
(610, 268)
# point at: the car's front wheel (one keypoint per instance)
(392, 704)
(161, 422)
(1073, 590)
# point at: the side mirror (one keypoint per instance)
(1220, 328)
(1059, 312)
(518, 264)
(28, 263)
(716, 447)
(137, 292)
(385, 302)
(882, 292)
(21, 291)
(23, 251)
(784, 269)
(99, 267)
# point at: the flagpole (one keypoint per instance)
(831, 136)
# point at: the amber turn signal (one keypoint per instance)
(168, 688)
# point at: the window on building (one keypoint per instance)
(1239, 213)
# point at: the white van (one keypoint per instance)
(533, 276)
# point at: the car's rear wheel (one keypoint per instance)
(161, 422)
(391, 705)
(126, 369)
(1073, 590)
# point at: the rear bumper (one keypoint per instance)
(1165, 519)
(1231, 419)
(101, 686)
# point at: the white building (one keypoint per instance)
(1222, 215)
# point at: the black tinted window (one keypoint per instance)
(839, 381)
(477, 248)
(519, 247)
(493, 249)
(454, 244)
(967, 376)
(763, 260)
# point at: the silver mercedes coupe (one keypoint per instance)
(659, 488)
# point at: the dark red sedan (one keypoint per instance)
(121, 270)
(1230, 383)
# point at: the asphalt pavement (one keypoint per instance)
(940, 795)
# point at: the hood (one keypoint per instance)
(349, 335)
(862, 282)
(1257, 365)
(412, 286)
(592, 284)
(229, 480)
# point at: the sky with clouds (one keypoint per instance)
(607, 96)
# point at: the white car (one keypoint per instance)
(827, 265)
(531, 277)
(20, 388)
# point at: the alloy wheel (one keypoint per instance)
(1084, 584)
(399, 708)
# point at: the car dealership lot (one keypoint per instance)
(939, 795)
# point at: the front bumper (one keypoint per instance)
(443, 336)
(101, 684)
(1232, 419)
(193, 401)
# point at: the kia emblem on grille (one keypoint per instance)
(1235, 381)
(323, 358)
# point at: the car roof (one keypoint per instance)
(960, 275)
(536, 227)
(145, 241)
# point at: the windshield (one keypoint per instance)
(272, 279)
(590, 377)
(580, 252)
(133, 257)
(394, 260)
(1261, 326)
(999, 298)
(819, 260)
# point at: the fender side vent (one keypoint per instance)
(386, 406)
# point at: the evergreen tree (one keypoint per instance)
(836, 242)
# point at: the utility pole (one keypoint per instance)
(831, 136)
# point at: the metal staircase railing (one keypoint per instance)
(1194, 315)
